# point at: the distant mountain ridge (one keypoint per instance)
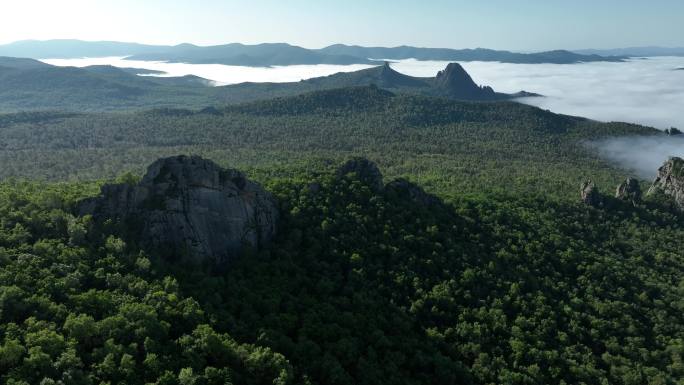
(453, 82)
(31, 84)
(478, 54)
(635, 51)
(274, 54)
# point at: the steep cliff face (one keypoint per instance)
(190, 208)
(455, 82)
(670, 181)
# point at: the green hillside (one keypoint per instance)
(360, 287)
(501, 276)
(448, 146)
(27, 84)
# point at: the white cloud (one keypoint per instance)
(641, 155)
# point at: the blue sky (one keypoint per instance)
(523, 25)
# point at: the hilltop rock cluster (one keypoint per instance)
(669, 182)
(369, 173)
(190, 208)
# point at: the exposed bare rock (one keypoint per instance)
(590, 195)
(366, 171)
(629, 191)
(190, 208)
(673, 131)
(670, 181)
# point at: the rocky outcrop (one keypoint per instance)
(405, 189)
(590, 195)
(368, 173)
(670, 181)
(629, 191)
(455, 82)
(673, 131)
(365, 170)
(190, 208)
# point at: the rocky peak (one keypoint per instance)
(629, 190)
(365, 170)
(458, 83)
(670, 181)
(589, 194)
(190, 208)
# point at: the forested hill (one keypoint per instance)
(448, 146)
(453, 82)
(363, 285)
(27, 84)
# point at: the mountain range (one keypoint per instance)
(634, 51)
(274, 54)
(31, 84)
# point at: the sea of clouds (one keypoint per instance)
(648, 91)
(219, 73)
(640, 155)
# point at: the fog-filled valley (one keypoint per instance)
(645, 91)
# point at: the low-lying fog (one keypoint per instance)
(647, 91)
(641, 155)
(221, 74)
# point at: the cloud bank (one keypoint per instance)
(219, 73)
(641, 155)
(644, 91)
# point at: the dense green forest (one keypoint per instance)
(360, 287)
(450, 147)
(503, 277)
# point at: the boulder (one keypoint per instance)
(670, 181)
(365, 170)
(629, 191)
(190, 208)
(589, 194)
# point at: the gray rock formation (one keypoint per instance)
(366, 171)
(190, 208)
(404, 188)
(670, 181)
(629, 191)
(673, 131)
(590, 195)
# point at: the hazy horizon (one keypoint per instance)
(499, 24)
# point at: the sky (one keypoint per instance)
(519, 25)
